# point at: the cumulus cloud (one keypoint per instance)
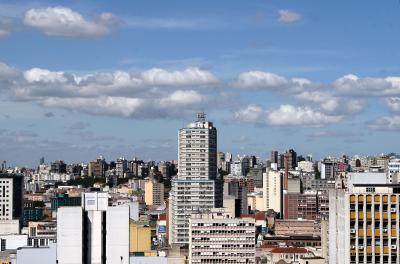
(285, 115)
(393, 103)
(305, 91)
(261, 80)
(65, 22)
(35, 75)
(385, 123)
(356, 86)
(152, 93)
(190, 76)
(287, 16)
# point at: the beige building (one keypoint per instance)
(272, 190)
(290, 227)
(218, 237)
(154, 193)
(96, 168)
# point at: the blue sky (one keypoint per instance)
(84, 78)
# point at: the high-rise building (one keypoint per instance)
(256, 174)
(121, 167)
(292, 159)
(11, 196)
(273, 190)
(220, 159)
(94, 233)
(58, 166)
(364, 224)
(237, 189)
(274, 156)
(196, 187)
(328, 169)
(218, 237)
(154, 193)
(97, 168)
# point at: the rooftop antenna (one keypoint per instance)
(201, 117)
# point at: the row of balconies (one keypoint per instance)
(375, 198)
(376, 232)
(369, 215)
(376, 250)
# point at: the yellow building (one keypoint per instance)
(154, 193)
(5, 260)
(140, 239)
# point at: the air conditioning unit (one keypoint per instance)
(393, 210)
(353, 231)
(361, 247)
(353, 247)
(385, 230)
(393, 247)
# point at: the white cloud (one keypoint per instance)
(261, 80)
(285, 115)
(63, 21)
(150, 94)
(287, 16)
(42, 75)
(183, 98)
(330, 103)
(356, 86)
(385, 123)
(393, 103)
(190, 76)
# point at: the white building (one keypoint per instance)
(194, 187)
(306, 166)
(94, 233)
(393, 168)
(328, 170)
(218, 237)
(272, 190)
(121, 167)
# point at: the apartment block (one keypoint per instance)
(364, 224)
(218, 237)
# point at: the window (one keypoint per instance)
(370, 189)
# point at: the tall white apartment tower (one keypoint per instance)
(196, 185)
(197, 150)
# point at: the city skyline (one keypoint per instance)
(119, 80)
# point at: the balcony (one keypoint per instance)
(352, 215)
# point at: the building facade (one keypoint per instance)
(217, 237)
(94, 233)
(364, 224)
(11, 196)
(196, 185)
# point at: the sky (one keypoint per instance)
(79, 79)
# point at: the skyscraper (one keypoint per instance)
(194, 189)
